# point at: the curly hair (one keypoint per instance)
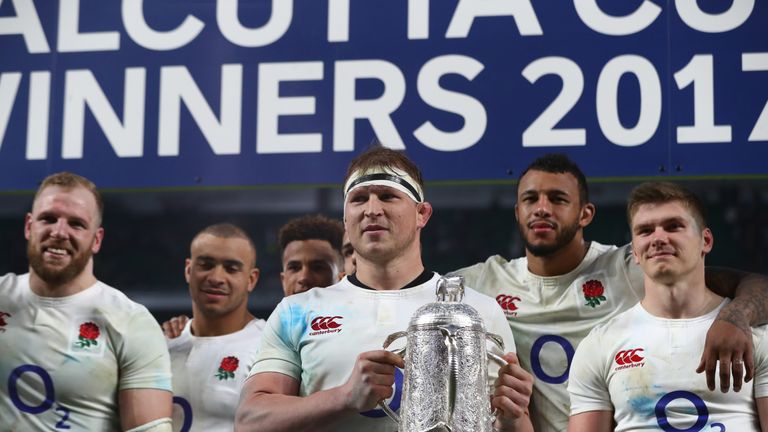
(312, 227)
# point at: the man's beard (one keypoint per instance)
(57, 275)
(561, 240)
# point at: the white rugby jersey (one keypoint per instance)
(316, 336)
(65, 359)
(549, 316)
(208, 374)
(643, 368)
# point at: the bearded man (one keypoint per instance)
(77, 353)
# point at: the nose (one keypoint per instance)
(543, 207)
(373, 206)
(216, 276)
(659, 237)
(60, 229)
(304, 277)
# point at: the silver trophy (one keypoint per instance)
(445, 386)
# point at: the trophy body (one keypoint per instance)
(445, 384)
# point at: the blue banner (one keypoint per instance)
(173, 93)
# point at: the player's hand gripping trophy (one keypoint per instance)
(446, 386)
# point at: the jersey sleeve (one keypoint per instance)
(760, 339)
(279, 350)
(587, 386)
(143, 355)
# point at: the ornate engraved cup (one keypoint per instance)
(446, 385)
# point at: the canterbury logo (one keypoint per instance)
(507, 302)
(629, 358)
(325, 324)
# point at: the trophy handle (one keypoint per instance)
(500, 360)
(400, 352)
(496, 339)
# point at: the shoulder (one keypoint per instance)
(601, 251)
(484, 303)
(494, 261)
(495, 270)
(11, 287)
(331, 293)
(122, 312)
(608, 256)
(8, 280)
(256, 326)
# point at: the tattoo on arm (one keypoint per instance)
(749, 292)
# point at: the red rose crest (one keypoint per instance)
(593, 292)
(227, 368)
(89, 332)
(3, 323)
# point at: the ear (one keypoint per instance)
(96, 246)
(187, 269)
(709, 241)
(27, 225)
(424, 212)
(253, 277)
(587, 214)
(517, 217)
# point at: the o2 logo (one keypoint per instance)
(536, 358)
(702, 413)
(394, 404)
(50, 395)
(186, 410)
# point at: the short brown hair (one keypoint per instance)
(380, 156)
(312, 227)
(68, 180)
(558, 163)
(664, 192)
(228, 230)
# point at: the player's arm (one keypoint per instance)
(269, 401)
(749, 292)
(730, 337)
(591, 421)
(145, 410)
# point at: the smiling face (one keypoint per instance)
(220, 274)
(383, 223)
(667, 242)
(549, 212)
(63, 232)
(308, 264)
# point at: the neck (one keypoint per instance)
(81, 282)
(205, 326)
(559, 262)
(392, 274)
(681, 299)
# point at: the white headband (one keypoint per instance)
(381, 176)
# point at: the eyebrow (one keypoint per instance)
(226, 262)
(546, 191)
(662, 221)
(47, 213)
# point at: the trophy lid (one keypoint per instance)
(448, 309)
